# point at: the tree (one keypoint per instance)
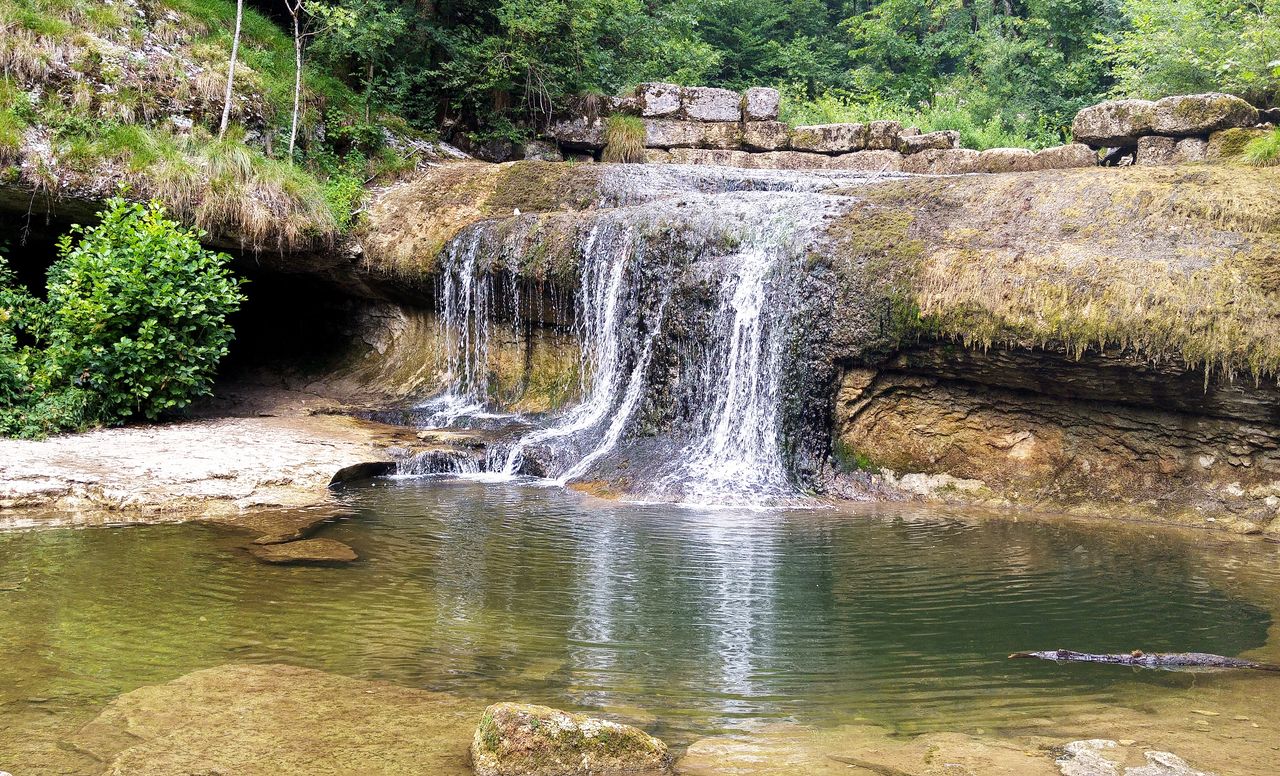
(231, 70)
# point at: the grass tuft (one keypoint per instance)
(624, 140)
(1263, 151)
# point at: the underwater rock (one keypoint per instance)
(304, 552)
(1114, 123)
(516, 739)
(760, 103)
(1200, 114)
(1101, 757)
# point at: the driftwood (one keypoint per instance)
(1140, 659)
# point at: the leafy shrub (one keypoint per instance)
(137, 313)
(1263, 151)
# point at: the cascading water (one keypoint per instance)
(684, 312)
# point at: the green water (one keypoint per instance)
(705, 620)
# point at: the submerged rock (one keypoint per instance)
(304, 552)
(525, 740)
(1102, 757)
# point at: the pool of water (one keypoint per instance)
(691, 621)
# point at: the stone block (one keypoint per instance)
(829, 138)
(669, 133)
(947, 138)
(706, 104)
(867, 161)
(1065, 157)
(883, 135)
(760, 104)
(1229, 143)
(765, 135)
(657, 100)
(1199, 114)
(1115, 123)
(941, 161)
(1006, 160)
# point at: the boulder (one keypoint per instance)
(721, 158)
(1228, 143)
(829, 138)
(1158, 150)
(1115, 123)
(579, 133)
(1065, 157)
(760, 104)
(1199, 114)
(765, 135)
(703, 103)
(942, 161)
(304, 552)
(883, 135)
(867, 161)
(658, 100)
(542, 151)
(515, 739)
(914, 143)
(790, 160)
(668, 133)
(1006, 160)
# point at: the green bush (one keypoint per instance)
(137, 313)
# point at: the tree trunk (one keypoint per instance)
(231, 71)
(297, 79)
(368, 92)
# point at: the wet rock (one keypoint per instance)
(949, 161)
(668, 133)
(710, 156)
(790, 160)
(867, 161)
(1102, 757)
(1158, 150)
(304, 552)
(1006, 160)
(265, 720)
(883, 135)
(760, 104)
(658, 100)
(703, 103)
(1200, 114)
(526, 740)
(579, 132)
(765, 135)
(910, 144)
(542, 151)
(362, 471)
(829, 138)
(1065, 157)
(1115, 123)
(1230, 143)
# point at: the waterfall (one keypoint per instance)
(684, 315)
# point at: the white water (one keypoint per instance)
(749, 245)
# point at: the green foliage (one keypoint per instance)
(136, 313)
(1263, 151)
(1187, 46)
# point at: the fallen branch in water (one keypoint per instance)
(876, 768)
(1141, 659)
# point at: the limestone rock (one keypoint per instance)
(658, 100)
(266, 720)
(1115, 123)
(867, 161)
(883, 135)
(1006, 160)
(947, 138)
(1065, 157)
(304, 552)
(760, 104)
(790, 160)
(1159, 149)
(1100, 757)
(829, 138)
(526, 740)
(765, 135)
(627, 105)
(1229, 143)
(668, 133)
(579, 133)
(657, 156)
(942, 161)
(1200, 114)
(721, 158)
(703, 103)
(542, 151)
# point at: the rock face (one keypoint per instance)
(829, 138)
(658, 100)
(760, 104)
(305, 552)
(1116, 123)
(668, 133)
(525, 740)
(883, 135)
(765, 135)
(947, 138)
(1157, 149)
(1199, 114)
(707, 104)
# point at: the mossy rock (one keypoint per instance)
(516, 739)
(1199, 114)
(1230, 143)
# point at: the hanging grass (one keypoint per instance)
(1263, 151)
(624, 140)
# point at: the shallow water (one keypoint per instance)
(689, 621)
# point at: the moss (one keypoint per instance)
(848, 459)
(1231, 143)
(488, 733)
(543, 186)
